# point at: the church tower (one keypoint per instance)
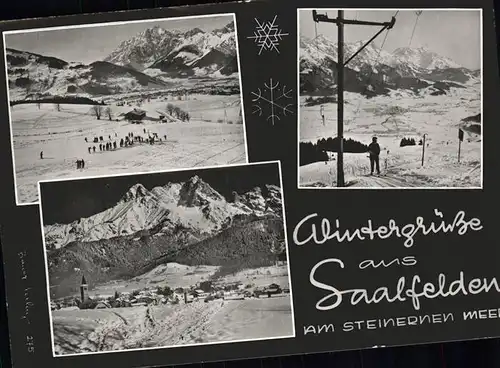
(84, 290)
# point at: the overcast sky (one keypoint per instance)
(455, 34)
(94, 43)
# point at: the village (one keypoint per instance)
(203, 291)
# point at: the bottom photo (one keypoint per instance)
(166, 259)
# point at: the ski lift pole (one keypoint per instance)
(423, 149)
(340, 22)
(340, 100)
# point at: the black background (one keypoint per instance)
(476, 254)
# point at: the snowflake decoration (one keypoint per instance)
(267, 35)
(271, 96)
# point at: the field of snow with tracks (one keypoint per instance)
(211, 137)
(391, 118)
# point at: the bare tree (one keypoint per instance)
(96, 111)
(170, 109)
(108, 113)
(177, 112)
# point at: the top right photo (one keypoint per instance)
(390, 99)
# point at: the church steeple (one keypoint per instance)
(84, 290)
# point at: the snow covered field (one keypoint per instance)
(83, 331)
(80, 331)
(210, 138)
(390, 119)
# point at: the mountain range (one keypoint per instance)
(188, 222)
(375, 71)
(149, 60)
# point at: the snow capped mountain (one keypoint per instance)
(193, 205)
(422, 58)
(419, 58)
(146, 61)
(144, 48)
(375, 71)
(33, 75)
(175, 53)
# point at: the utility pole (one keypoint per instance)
(340, 99)
(340, 22)
(423, 149)
(460, 140)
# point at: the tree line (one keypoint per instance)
(317, 152)
(409, 142)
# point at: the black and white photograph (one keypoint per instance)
(407, 113)
(123, 97)
(166, 259)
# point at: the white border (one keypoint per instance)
(106, 24)
(300, 187)
(172, 346)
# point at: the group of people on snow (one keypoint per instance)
(80, 164)
(126, 141)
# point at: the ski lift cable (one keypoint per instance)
(370, 76)
(414, 27)
(371, 73)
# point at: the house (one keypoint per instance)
(200, 293)
(135, 115)
(145, 299)
(102, 305)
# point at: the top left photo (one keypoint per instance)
(123, 97)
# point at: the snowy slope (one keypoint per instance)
(193, 204)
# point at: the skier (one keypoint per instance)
(93, 148)
(374, 150)
(41, 155)
(78, 164)
(83, 164)
(86, 140)
(90, 148)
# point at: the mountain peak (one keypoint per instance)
(193, 32)
(195, 192)
(194, 179)
(136, 191)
